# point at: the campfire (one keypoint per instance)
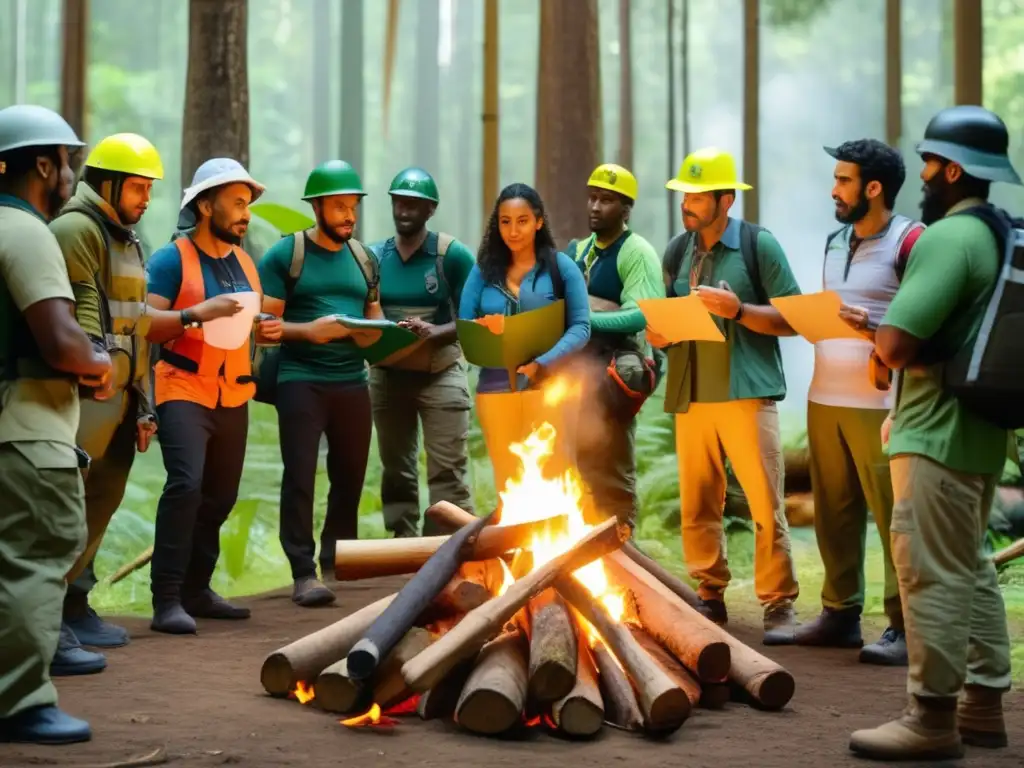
(536, 619)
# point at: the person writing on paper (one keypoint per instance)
(945, 457)
(201, 394)
(724, 394)
(864, 261)
(421, 278)
(620, 268)
(519, 270)
(322, 382)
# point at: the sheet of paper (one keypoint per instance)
(232, 332)
(683, 318)
(815, 316)
(524, 337)
(392, 337)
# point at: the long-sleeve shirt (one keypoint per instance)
(480, 298)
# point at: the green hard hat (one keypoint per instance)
(28, 125)
(974, 138)
(414, 182)
(335, 177)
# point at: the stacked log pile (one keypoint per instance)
(481, 636)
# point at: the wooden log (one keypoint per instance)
(1008, 554)
(698, 644)
(307, 657)
(450, 516)
(440, 701)
(411, 601)
(472, 585)
(483, 623)
(658, 571)
(581, 711)
(493, 698)
(620, 703)
(672, 666)
(715, 695)
(389, 688)
(357, 559)
(662, 701)
(669, 620)
(337, 692)
(553, 653)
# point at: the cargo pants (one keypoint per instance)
(849, 476)
(402, 400)
(952, 607)
(42, 531)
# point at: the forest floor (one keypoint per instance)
(200, 700)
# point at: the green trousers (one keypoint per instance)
(402, 400)
(104, 491)
(42, 530)
(849, 477)
(956, 620)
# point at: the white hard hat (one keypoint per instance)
(215, 172)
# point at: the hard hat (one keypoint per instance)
(974, 138)
(414, 182)
(28, 125)
(615, 178)
(127, 153)
(334, 177)
(216, 173)
(707, 170)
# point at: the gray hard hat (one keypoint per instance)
(975, 139)
(29, 125)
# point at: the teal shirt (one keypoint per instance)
(413, 288)
(331, 283)
(747, 365)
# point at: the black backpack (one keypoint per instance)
(985, 375)
(676, 251)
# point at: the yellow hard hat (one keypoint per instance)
(127, 153)
(707, 170)
(615, 178)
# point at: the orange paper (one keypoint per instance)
(683, 318)
(815, 316)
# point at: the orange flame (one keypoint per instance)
(406, 707)
(370, 719)
(303, 693)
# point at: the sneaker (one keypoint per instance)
(713, 609)
(43, 725)
(310, 593)
(90, 629)
(779, 617)
(889, 651)
(72, 659)
(831, 629)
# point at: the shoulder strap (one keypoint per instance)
(368, 266)
(95, 218)
(905, 247)
(675, 252)
(296, 264)
(444, 242)
(828, 243)
(748, 247)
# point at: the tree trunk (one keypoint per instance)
(428, 87)
(568, 112)
(353, 86)
(461, 77)
(490, 115)
(751, 109)
(74, 60)
(625, 154)
(216, 120)
(321, 56)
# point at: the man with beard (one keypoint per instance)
(322, 379)
(421, 279)
(845, 409)
(724, 394)
(945, 458)
(201, 394)
(44, 358)
(621, 268)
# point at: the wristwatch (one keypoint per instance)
(189, 319)
(739, 313)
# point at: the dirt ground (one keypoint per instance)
(200, 700)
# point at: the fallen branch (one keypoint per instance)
(1010, 553)
(553, 651)
(128, 569)
(157, 757)
(493, 698)
(581, 711)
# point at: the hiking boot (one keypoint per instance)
(90, 629)
(310, 593)
(172, 619)
(72, 659)
(209, 605)
(779, 619)
(926, 731)
(43, 725)
(979, 716)
(713, 609)
(890, 650)
(832, 628)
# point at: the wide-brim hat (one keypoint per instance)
(217, 172)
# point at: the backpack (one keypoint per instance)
(985, 374)
(676, 251)
(905, 246)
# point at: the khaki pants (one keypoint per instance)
(747, 431)
(849, 476)
(42, 530)
(952, 607)
(401, 400)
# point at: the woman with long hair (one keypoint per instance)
(519, 269)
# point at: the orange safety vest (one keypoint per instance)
(191, 370)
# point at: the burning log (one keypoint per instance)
(480, 624)
(336, 691)
(620, 703)
(411, 601)
(700, 645)
(662, 701)
(450, 516)
(369, 558)
(553, 654)
(673, 668)
(494, 695)
(658, 571)
(440, 701)
(307, 657)
(472, 585)
(581, 711)
(670, 620)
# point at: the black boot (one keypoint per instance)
(172, 619)
(714, 610)
(72, 659)
(207, 604)
(831, 629)
(889, 651)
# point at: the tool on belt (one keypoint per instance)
(628, 386)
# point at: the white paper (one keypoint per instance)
(232, 332)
